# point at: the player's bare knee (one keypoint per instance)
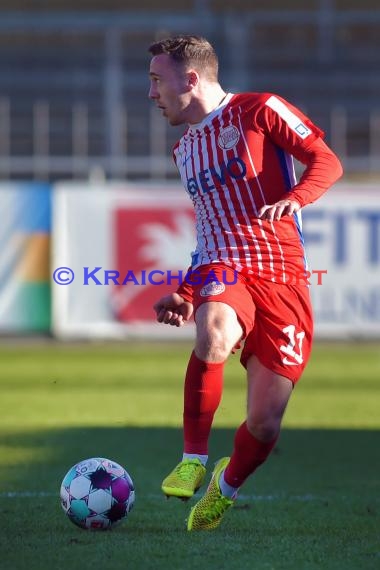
(263, 430)
(218, 320)
(218, 331)
(213, 347)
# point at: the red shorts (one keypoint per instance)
(276, 318)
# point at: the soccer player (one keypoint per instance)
(247, 277)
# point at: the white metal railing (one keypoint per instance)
(157, 164)
(118, 158)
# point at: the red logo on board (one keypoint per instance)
(151, 247)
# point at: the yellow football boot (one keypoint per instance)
(184, 480)
(208, 512)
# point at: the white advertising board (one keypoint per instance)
(127, 244)
(142, 234)
(342, 237)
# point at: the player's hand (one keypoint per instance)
(276, 211)
(173, 310)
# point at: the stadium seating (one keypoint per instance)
(63, 74)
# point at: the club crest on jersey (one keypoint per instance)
(228, 137)
(212, 289)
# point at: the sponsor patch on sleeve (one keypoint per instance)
(289, 117)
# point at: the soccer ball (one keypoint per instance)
(97, 493)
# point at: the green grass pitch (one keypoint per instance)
(313, 505)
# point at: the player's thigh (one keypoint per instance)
(267, 396)
(222, 305)
(217, 322)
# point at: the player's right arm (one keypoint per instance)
(173, 310)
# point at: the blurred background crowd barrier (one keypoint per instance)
(74, 108)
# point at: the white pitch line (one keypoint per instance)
(241, 497)
(258, 498)
(25, 494)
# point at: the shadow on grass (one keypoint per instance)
(304, 461)
(313, 505)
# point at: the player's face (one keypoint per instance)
(169, 88)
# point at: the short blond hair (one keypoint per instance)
(189, 51)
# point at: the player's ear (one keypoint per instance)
(192, 79)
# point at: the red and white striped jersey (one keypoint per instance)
(237, 159)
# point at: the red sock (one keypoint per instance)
(248, 454)
(202, 395)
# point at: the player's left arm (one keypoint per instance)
(276, 211)
(323, 169)
(292, 131)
